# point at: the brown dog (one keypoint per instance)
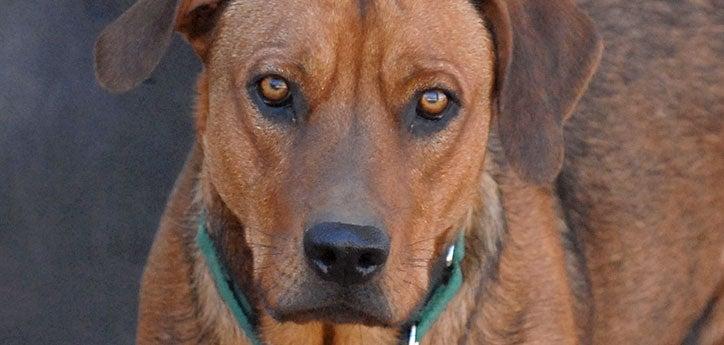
(343, 146)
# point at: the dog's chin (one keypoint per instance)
(333, 314)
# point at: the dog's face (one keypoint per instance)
(347, 137)
(351, 120)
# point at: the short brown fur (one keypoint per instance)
(593, 215)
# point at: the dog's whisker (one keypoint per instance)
(268, 254)
(260, 268)
(261, 245)
(428, 239)
(265, 233)
(418, 260)
(416, 286)
(423, 254)
(422, 250)
(272, 236)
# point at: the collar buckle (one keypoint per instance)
(413, 336)
(450, 256)
(442, 294)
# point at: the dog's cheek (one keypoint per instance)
(245, 162)
(441, 180)
(449, 173)
(255, 196)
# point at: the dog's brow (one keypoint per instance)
(444, 69)
(363, 6)
(278, 52)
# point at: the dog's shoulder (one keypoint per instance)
(647, 136)
(644, 167)
(169, 309)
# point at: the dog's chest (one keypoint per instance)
(318, 334)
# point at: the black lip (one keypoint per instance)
(338, 314)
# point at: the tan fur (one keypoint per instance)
(272, 194)
(623, 244)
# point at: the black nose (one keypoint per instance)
(344, 253)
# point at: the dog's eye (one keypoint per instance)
(276, 98)
(432, 104)
(274, 90)
(430, 111)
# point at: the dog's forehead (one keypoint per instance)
(317, 25)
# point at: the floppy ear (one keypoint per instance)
(130, 48)
(546, 52)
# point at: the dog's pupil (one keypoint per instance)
(274, 89)
(433, 102)
(432, 97)
(277, 84)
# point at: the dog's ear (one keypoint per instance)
(546, 53)
(130, 48)
(196, 20)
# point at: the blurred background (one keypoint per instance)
(84, 175)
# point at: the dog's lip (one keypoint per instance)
(338, 313)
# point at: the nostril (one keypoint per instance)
(369, 263)
(366, 261)
(327, 256)
(322, 257)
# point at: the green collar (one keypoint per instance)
(234, 299)
(242, 311)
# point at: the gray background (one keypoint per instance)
(84, 174)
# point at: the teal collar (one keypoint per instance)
(234, 298)
(443, 293)
(242, 311)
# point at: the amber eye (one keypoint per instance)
(432, 104)
(274, 90)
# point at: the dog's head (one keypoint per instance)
(347, 138)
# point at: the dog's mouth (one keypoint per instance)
(364, 305)
(337, 314)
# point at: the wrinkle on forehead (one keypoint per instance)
(362, 7)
